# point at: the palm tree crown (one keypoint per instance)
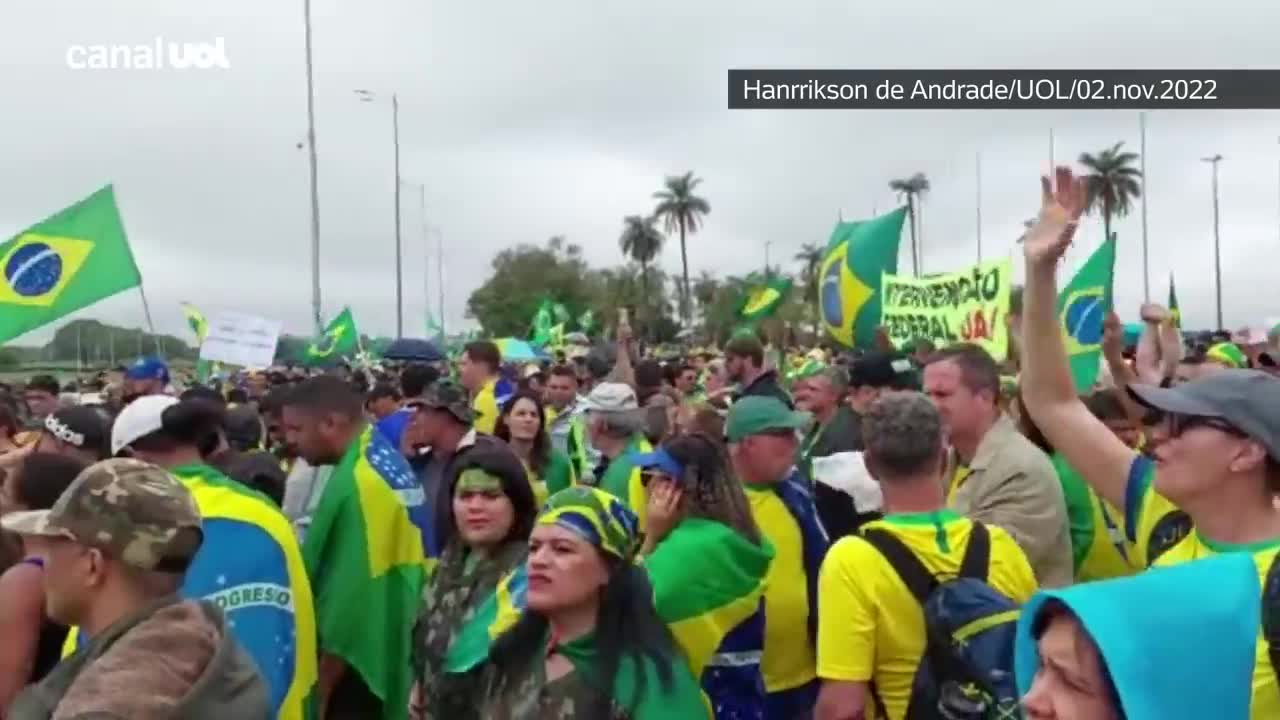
(640, 240)
(1113, 183)
(681, 210)
(911, 189)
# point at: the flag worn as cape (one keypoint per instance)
(364, 553)
(68, 261)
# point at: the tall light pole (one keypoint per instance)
(767, 243)
(315, 182)
(978, 182)
(1142, 158)
(1217, 243)
(368, 96)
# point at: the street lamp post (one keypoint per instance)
(767, 243)
(368, 96)
(315, 184)
(1217, 242)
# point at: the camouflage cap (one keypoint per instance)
(449, 396)
(131, 510)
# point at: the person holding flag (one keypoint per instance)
(364, 552)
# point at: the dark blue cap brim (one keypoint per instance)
(659, 460)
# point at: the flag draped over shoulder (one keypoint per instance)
(497, 614)
(764, 300)
(364, 553)
(708, 581)
(339, 339)
(65, 262)
(857, 256)
(1082, 307)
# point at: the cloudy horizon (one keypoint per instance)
(522, 122)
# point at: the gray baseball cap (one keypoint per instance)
(1247, 399)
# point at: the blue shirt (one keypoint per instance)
(392, 426)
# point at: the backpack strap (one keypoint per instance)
(977, 553)
(914, 574)
(1271, 615)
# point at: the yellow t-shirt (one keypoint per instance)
(789, 660)
(870, 626)
(485, 406)
(957, 479)
(1153, 522)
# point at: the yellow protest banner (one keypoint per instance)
(948, 308)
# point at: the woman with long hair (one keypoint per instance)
(493, 513)
(522, 425)
(32, 642)
(589, 646)
(707, 562)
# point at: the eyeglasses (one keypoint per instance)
(1179, 424)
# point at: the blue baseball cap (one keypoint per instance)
(659, 459)
(148, 368)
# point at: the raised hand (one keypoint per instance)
(1112, 336)
(1062, 202)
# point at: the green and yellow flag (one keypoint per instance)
(586, 321)
(196, 319)
(764, 300)
(1174, 312)
(339, 339)
(66, 262)
(858, 255)
(1082, 307)
(364, 552)
(542, 321)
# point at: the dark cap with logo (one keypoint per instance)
(884, 370)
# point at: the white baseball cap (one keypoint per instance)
(611, 397)
(139, 419)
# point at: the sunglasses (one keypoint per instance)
(1179, 424)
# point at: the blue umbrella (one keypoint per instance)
(414, 350)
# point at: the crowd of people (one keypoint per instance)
(734, 533)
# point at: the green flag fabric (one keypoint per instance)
(1174, 312)
(586, 321)
(364, 554)
(561, 313)
(66, 262)
(1082, 307)
(339, 339)
(542, 322)
(857, 256)
(764, 300)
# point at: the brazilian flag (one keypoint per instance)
(764, 300)
(66, 262)
(339, 339)
(858, 255)
(1082, 307)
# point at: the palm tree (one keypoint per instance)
(1113, 183)
(912, 188)
(641, 241)
(680, 209)
(810, 256)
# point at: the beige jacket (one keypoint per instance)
(1013, 485)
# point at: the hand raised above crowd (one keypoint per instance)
(1062, 202)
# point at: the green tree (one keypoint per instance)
(522, 277)
(912, 189)
(680, 209)
(9, 358)
(95, 343)
(1113, 183)
(640, 241)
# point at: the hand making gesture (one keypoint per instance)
(1062, 202)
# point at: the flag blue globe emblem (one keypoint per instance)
(33, 270)
(832, 303)
(1082, 319)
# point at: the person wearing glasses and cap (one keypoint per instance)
(1211, 488)
(115, 548)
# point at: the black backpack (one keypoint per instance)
(966, 672)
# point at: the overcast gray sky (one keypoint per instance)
(525, 120)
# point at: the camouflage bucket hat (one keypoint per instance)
(131, 510)
(448, 396)
(600, 518)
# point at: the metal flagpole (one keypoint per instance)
(1051, 165)
(426, 257)
(1217, 245)
(440, 276)
(978, 176)
(395, 130)
(146, 309)
(315, 184)
(1146, 267)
